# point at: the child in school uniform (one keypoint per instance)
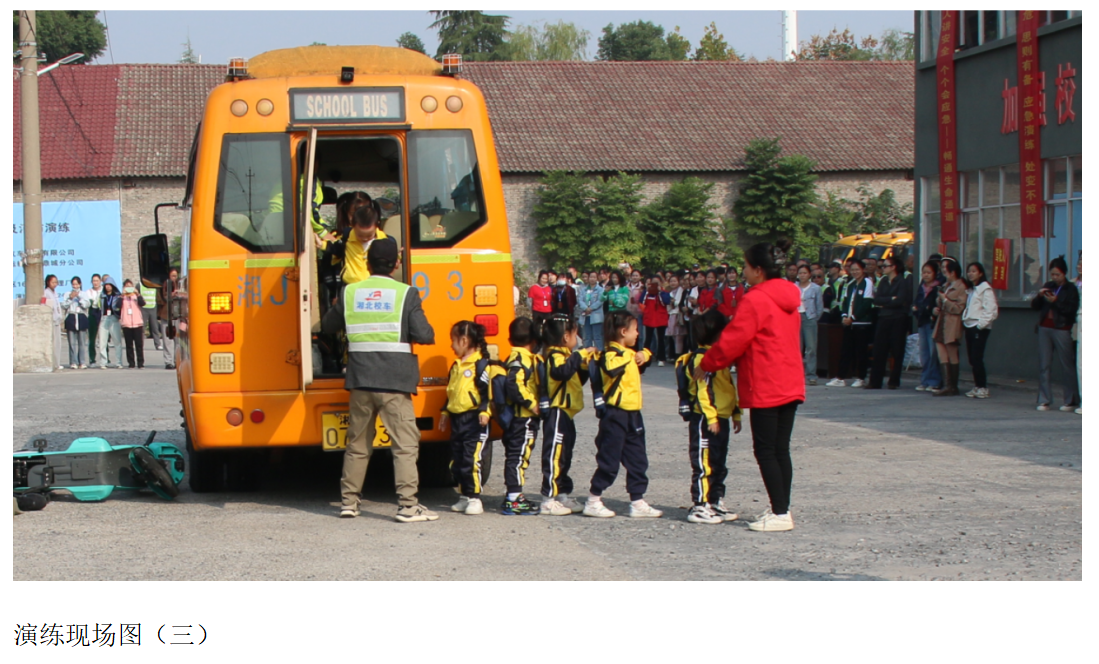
(707, 405)
(467, 412)
(522, 398)
(621, 438)
(563, 397)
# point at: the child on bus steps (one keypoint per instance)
(562, 396)
(467, 412)
(522, 398)
(707, 405)
(621, 438)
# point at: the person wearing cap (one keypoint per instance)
(833, 291)
(382, 318)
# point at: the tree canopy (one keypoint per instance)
(893, 45)
(411, 42)
(60, 33)
(778, 196)
(641, 40)
(477, 36)
(713, 46)
(553, 41)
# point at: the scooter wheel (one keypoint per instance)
(156, 476)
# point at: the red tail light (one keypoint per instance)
(257, 416)
(221, 333)
(491, 323)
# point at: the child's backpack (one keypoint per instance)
(494, 373)
(683, 383)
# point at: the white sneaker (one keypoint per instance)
(1043, 406)
(858, 383)
(1067, 409)
(771, 523)
(349, 512)
(644, 511)
(725, 514)
(982, 393)
(835, 382)
(598, 510)
(1080, 410)
(571, 504)
(812, 381)
(553, 507)
(973, 393)
(703, 514)
(461, 505)
(475, 506)
(659, 364)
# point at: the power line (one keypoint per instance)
(107, 29)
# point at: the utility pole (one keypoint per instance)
(789, 35)
(32, 164)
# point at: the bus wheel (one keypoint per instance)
(206, 470)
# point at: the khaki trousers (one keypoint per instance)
(399, 419)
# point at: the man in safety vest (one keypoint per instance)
(148, 314)
(383, 318)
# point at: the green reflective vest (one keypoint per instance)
(372, 311)
(149, 295)
(276, 203)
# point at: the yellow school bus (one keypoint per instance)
(387, 121)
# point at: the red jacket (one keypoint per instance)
(764, 340)
(654, 309)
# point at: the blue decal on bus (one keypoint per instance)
(425, 287)
(455, 284)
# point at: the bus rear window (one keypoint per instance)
(446, 203)
(254, 173)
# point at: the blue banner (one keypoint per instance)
(78, 239)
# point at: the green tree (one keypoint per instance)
(678, 227)
(896, 45)
(777, 197)
(837, 46)
(641, 40)
(877, 213)
(713, 46)
(411, 42)
(558, 41)
(188, 57)
(563, 218)
(477, 36)
(615, 237)
(59, 33)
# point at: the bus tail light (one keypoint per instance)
(222, 363)
(484, 296)
(219, 303)
(234, 417)
(491, 323)
(257, 416)
(221, 333)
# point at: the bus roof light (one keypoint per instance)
(452, 64)
(238, 68)
(347, 75)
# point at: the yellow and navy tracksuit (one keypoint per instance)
(566, 373)
(713, 401)
(621, 438)
(467, 396)
(522, 395)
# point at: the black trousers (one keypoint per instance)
(655, 342)
(518, 445)
(558, 440)
(853, 352)
(709, 453)
(621, 442)
(468, 440)
(135, 339)
(889, 340)
(771, 429)
(975, 342)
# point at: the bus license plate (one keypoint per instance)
(334, 432)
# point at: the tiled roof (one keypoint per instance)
(138, 120)
(696, 116)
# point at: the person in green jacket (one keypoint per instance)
(617, 294)
(857, 312)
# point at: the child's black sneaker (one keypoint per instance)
(518, 506)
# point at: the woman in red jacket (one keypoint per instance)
(764, 340)
(540, 305)
(654, 313)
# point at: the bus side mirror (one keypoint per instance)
(152, 259)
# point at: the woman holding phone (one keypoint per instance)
(1057, 302)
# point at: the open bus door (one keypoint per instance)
(307, 263)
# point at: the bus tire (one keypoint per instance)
(205, 470)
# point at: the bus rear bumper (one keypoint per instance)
(289, 419)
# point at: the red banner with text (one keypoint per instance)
(948, 136)
(1030, 116)
(1000, 254)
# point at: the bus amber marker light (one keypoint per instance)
(484, 296)
(238, 107)
(220, 303)
(453, 104)
(265, 107)
(429, 104)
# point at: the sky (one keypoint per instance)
(216, 36)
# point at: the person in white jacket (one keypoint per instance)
(980, 310)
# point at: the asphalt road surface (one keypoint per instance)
(887, 485)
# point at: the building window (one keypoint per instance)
(930, 24)
(1064, 211)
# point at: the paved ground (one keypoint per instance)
(887, 485)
